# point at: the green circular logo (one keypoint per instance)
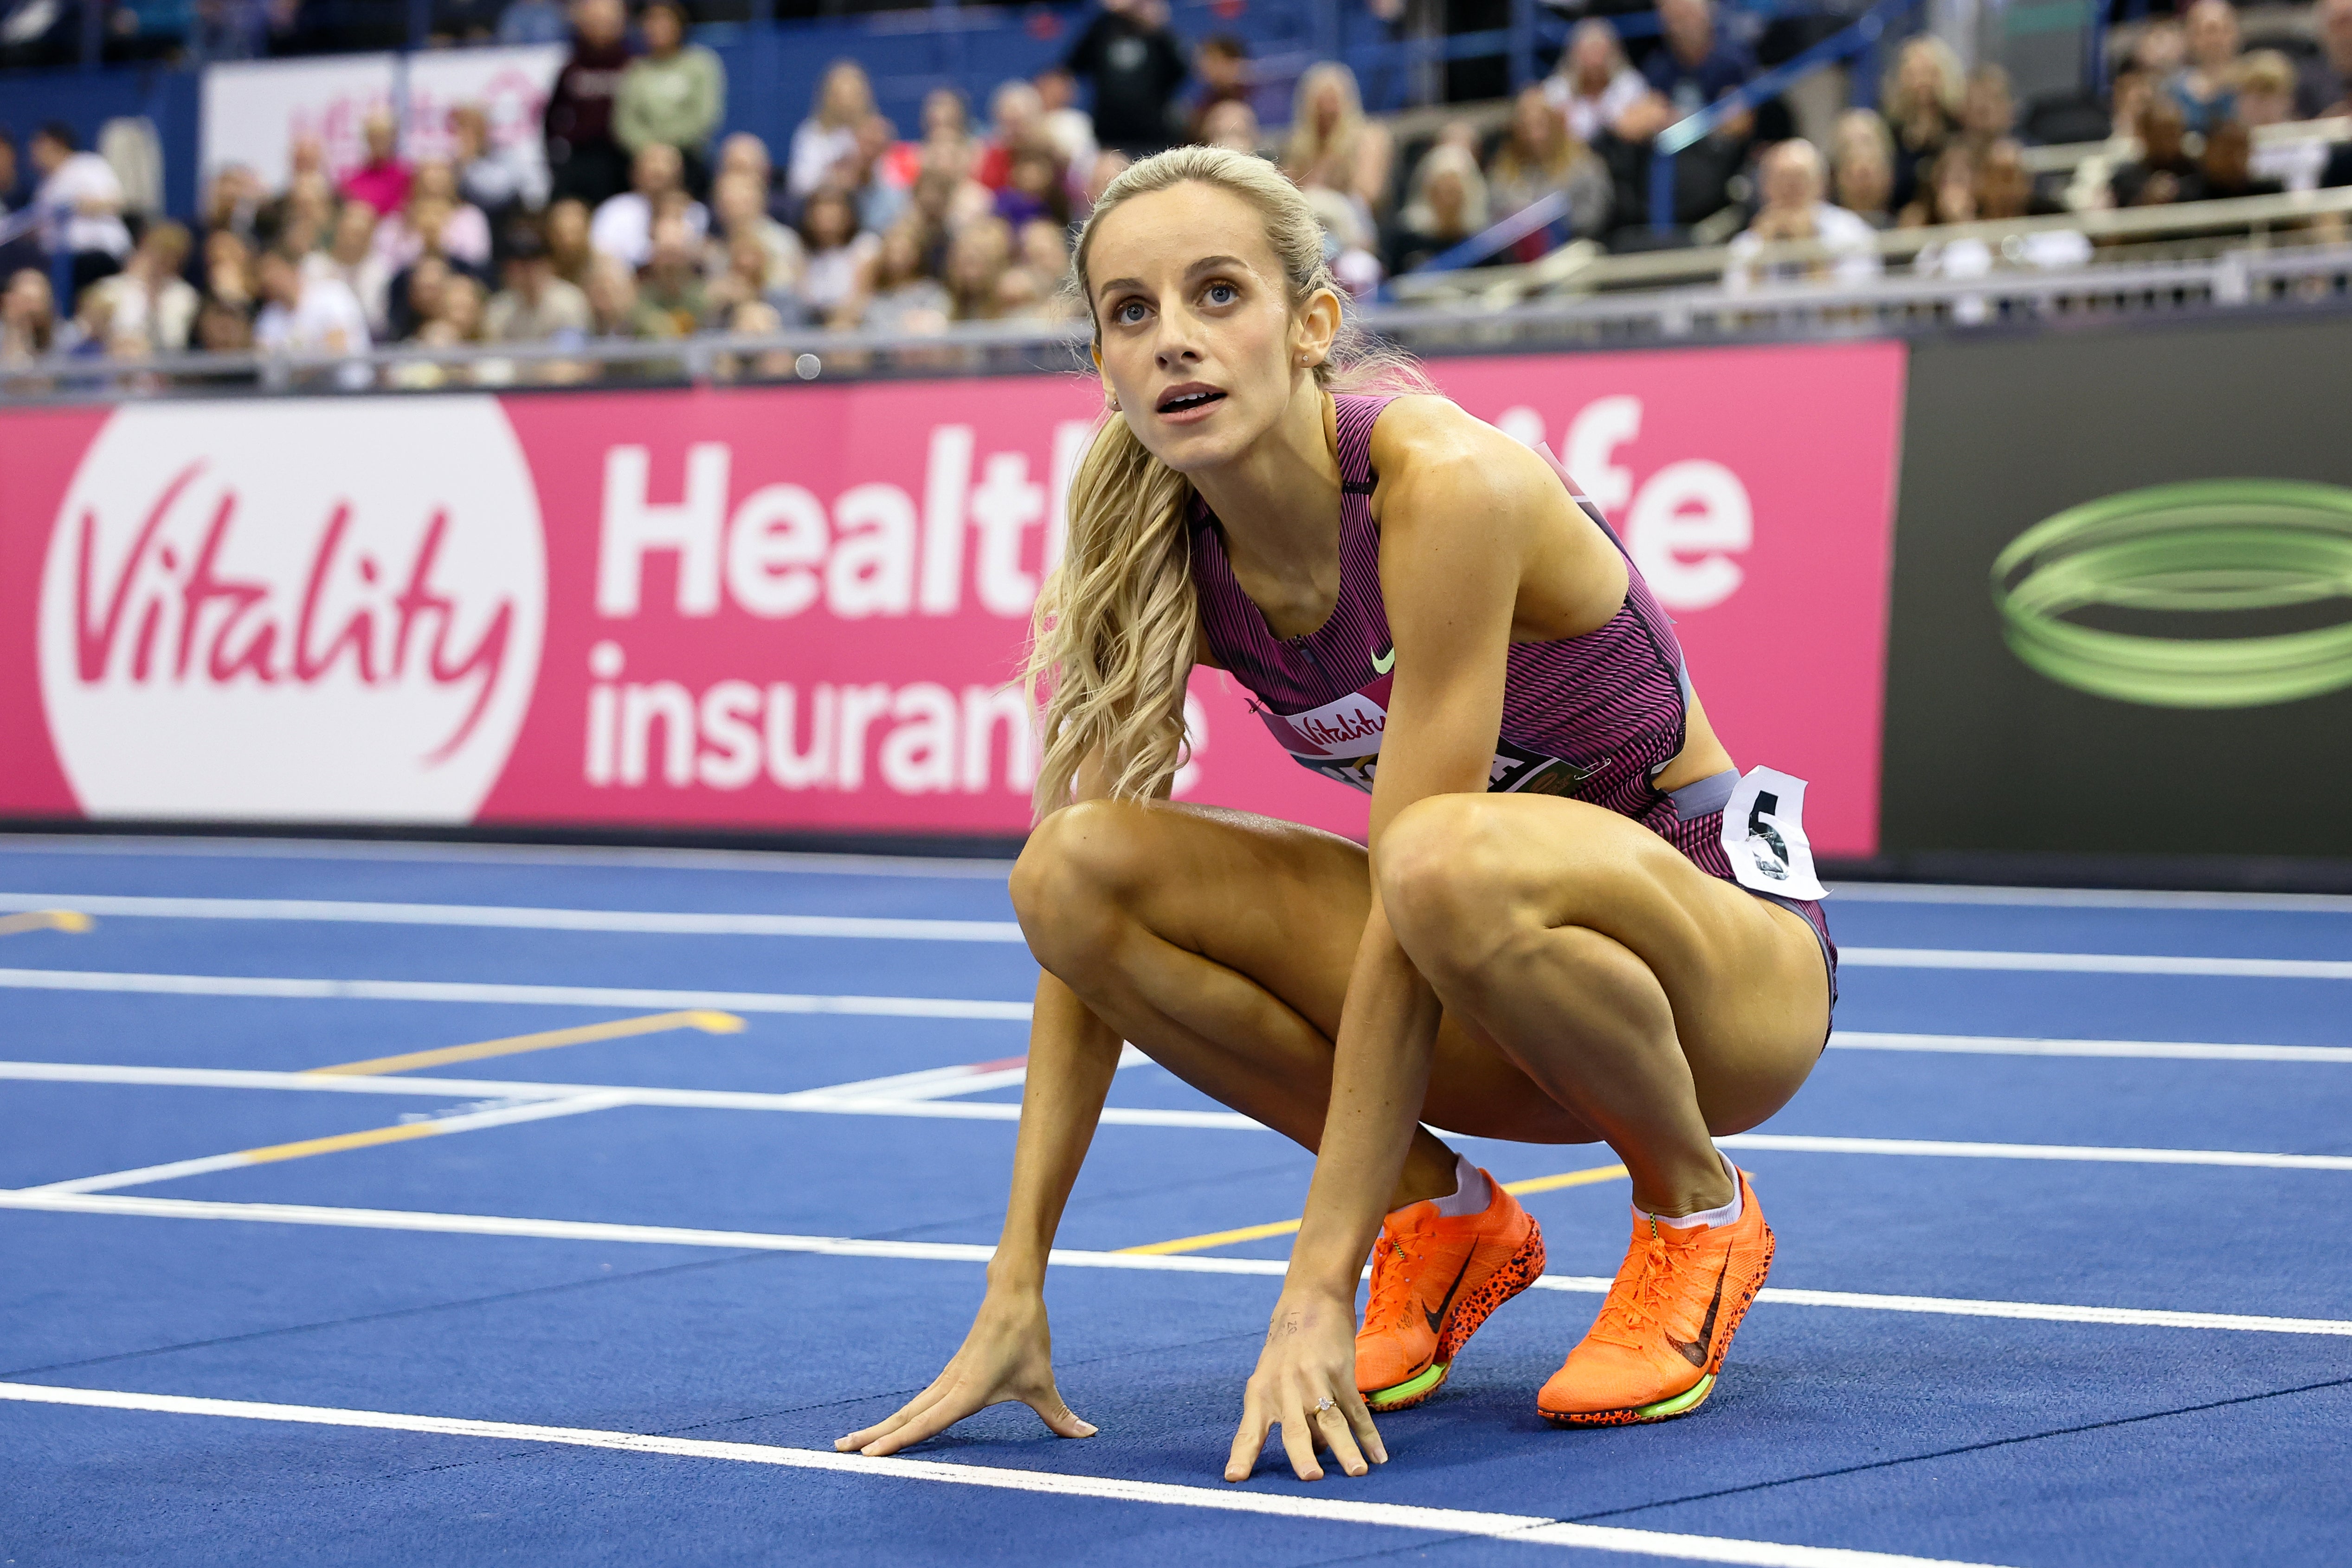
(2214, 545)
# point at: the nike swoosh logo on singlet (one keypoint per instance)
(1695, 1353)
(1439, 1316)
(1384, 662)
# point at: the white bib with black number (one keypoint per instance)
(1764, 834)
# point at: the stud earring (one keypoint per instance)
(1112, 403)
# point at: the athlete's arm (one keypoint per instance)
(1009, 1353)
(1463, 510)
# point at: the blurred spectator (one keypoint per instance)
(1045, 247)
(1594, 86)
(351, 258)
(1231, 124)
(306, 315)
(81, 204)
(1444, 204)
(835, 253)
(465, 229)
(228, 271)
(1921, 101)
(2162, 48)
(1033, 188)
(415, 297)
(740, 214)
(1014, 112)
(613, 309)
(304, 217)
(2163, 169)
(232, 201)
(568, 250)
(221, 329)
(866, 175)
(753, 318)
(531, 22)
(536, 305)
(1988, 108)
(977, 259)
(2005, 184)
(1070, 128)
(947, 141)
(1794, 213)
(584, 158)
(28, 317)
(739, 269)
(674, 93)
(502, 181)
(1347, 244)
(2324, 86)
(623, 226)
(1862, 164)
(1539, 156)
(2204, 87)
(829, 134)
(1694, 67)
(671, 280)
(1333, 145)
(1109, 166)
(1948, 191)
(741, 152)
(383, 180)
(2264, 81)
(1221, 63)
(2226, 170)
(898, 293)
(1135, 67)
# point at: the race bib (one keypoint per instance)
(1341, 741)
(1764, 834)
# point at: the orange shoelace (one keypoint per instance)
(1641, 1296)
(1392, 1280)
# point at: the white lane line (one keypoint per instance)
(2093, 963)
(1062, 1257)
(535, 996)
(2089, 898)
(505, 917)
(1523, 1528)
(470, 1122)
(1792, 1143)
(790, 861)
(2152, 1050)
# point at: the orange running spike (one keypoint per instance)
(1435, 1280)
(1658, 1344)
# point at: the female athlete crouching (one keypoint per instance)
(1545, 942)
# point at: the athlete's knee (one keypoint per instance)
(1447, 866)
(1082, 869)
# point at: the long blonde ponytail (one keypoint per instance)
(1117, 623)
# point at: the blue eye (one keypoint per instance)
(1120, 313)
(1223, 293)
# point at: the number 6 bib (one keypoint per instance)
(1764, 834)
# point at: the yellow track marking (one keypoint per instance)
(341, 1141)
(46, 919)
(710, 1023)
(1289, 1227)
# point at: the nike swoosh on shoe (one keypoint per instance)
(1439, 1316)
(1695, 1351)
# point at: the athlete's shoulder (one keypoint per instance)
(1428, 451)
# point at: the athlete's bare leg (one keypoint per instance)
(1221, 944)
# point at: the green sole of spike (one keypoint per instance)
(1682, 1403)
(1411, 1389)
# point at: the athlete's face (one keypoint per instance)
(1198, 342)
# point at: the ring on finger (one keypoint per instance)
(1328, 1403)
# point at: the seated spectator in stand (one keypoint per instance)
(415, 297)
(740, 152)
(2005, 184)
(2265, 89)
(536, 305)
(1109, 166)
(740, 214)
(1221, 63)
(1135, 66)
(1863, 166)
(829, 134)
(502, 181)
(1539, 156)
(753, 318)
(867, 174)
(28, 318)
(1593, 86)
(149, 299)
(1921, 100)
(221, 329)
(898, 293)
(623, 226)
(456, 322)
(1988, 109)
(2163, 172)
(383, 180)
(350, 257)
(532, 22)
(2324, 86)
(228, 271)
(1070, 128)
(464, 230)
(306, 315)
(1333, 145)
(569, 248)
(304, 219)
(671, 280)
(1693, 67)
(675, 94)
(613, 309)
(1948, 191)
(946, 143)
(232, 201)
(1232, 125)
(2226, 171)
(1794, 213)
(80, 203)
(1045, 247)
(584, 159)
(836, 251)
(1015, 113)
(1446, 205)
(1346, 245)
(977, 259)
(739, 271)
(2162, 49)
(1033, 186)
(2204, 85)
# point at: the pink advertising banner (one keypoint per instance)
(799, 609)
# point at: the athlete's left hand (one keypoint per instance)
(1310, 1359)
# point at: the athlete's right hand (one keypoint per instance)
(1008, 1355)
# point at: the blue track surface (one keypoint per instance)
(1995, 1439)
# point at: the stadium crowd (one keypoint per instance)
(637, 220)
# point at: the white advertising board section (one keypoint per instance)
(254, 111)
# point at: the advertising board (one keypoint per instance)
(799, 609)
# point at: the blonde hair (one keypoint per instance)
(1446, 158)
(1117, 622)
(1308, 147)
(1895, 95)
